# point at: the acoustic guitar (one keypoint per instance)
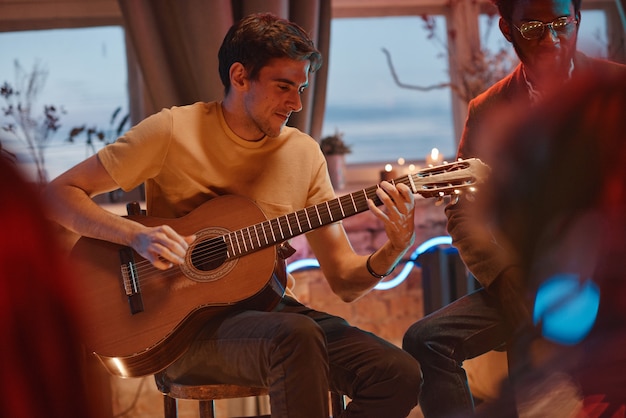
(141, 319)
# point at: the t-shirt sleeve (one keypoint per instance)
(139, 154)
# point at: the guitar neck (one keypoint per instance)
(430, 182)
(282, 228)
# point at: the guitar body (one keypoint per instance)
(143, 336)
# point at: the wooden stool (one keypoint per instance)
(207, 394)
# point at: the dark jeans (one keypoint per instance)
(299, 353)
(441, 341)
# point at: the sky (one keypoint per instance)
(381, 121)
(86, 78)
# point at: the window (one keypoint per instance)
(592, 35)
(381, 120)
(87, 76)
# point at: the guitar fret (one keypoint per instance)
(266, 225)
(275, 229)
(319, 217)
(287, 225)
(229, 245)
(241, 241)
(347, 206)
(251, 235)
(331, 213)
(304, 221)
(294, 216)
(364, 197)
(297, 216)
(336, 210)
(280, 228)
(269, 224)
(236, 246)
(233, 239)
(308, 220)
(246, 241)
(238, 242)
(310, 216)
(332, 210)
(258, 238)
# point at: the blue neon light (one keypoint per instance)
(566, 308)
(302, 264)
(307, 263)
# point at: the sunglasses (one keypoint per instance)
(535, 29)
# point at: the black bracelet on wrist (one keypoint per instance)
(373, 273)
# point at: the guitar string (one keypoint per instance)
(144, 268)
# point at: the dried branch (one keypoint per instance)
(483, 70)
(35, 131)
(410, 86)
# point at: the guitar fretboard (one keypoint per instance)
(434, 181)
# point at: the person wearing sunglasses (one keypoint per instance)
(544, 36)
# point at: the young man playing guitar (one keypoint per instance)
(241, 146)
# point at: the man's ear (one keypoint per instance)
(505, 28)
(238, 76)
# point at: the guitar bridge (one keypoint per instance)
(130, 280)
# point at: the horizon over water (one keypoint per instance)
(412, 129)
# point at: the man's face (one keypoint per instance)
(549, 56)
(275, 94)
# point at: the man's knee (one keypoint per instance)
(299, 335)
(416, 337)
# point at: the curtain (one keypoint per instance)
(175, 45)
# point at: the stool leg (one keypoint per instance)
(206, 409)
(170, 407)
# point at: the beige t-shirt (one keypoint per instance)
(188, 155)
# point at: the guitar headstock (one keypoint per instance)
(454, 178)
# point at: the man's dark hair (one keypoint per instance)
(505, 7)
(259, 38)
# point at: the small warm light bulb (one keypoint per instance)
(434, 158)
(388, 168)
(401, 161)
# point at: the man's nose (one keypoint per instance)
(550, 33)
(295, 101)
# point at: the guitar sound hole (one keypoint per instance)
(209, 254)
